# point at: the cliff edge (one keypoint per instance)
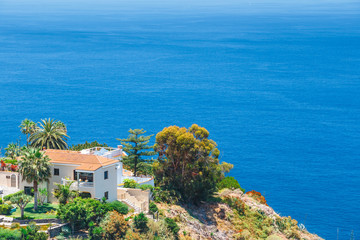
(234, 215)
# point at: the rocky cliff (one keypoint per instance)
(234, 215)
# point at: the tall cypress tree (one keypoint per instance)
(136, 146)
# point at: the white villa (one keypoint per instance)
(96, 171)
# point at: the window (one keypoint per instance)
(29, 191)
(106, 174)
(75, 175)
(106, 195)
(56, 172)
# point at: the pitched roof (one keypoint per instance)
(85, 162)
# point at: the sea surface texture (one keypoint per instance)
(277, 84)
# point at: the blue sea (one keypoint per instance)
(277, 84)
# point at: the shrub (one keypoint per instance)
(114, 226)
(166, 196)
(10, 234)
(32, 232)
(140, 222)
(159, 231)
(15, 225)
(229, 182)
(130, 183)
(235, 203)
(85, 195)
(80, 212)
(5, 209)
(119, 207)
(7, 197)
(257, 196)
(146, 187)
(172, 225)
(153, 208)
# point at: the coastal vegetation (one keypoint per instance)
(49, 133)
(28, 127)
(35, 168)
(137, 148)
(188, 163)
(194, 197)
(87, 145)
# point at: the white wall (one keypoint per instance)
(102, 185)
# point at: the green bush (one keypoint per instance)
(130, 183)
(11, 161)
(153, 208)
(229, 182)
(140, 222)
(146, 187)
(10, 234)
(85, 195)
(80, 212)
(7, 197)
(119, 207)
(32, 232)
(172, 225)
(166, 196)
(5, 209)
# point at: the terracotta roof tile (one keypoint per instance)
(84, 161)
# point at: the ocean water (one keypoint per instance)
(276, 84)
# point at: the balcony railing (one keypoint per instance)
(86, 184)
(77, 185)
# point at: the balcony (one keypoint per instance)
(78, 185)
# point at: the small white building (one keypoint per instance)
(95, 172)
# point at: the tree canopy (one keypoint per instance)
(188, 162)
(86, 145)
(136, 146)
(35, 167)
(27, 127)
(51, 134)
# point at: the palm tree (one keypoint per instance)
(63, 193)
(27, 127)
(35, 167)
(50, 134)
(12, 150)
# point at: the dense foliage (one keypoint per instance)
(5, 209)
(8, 197)
(130, 183)
(120, 207)
(35, 168)
(140, 222)
(21, 200)
(114, 226)
(51, 134)
(27, 127)
(64, 193)
(80, 212)
(137, 148)
(7, 234)
(188, 162)
(13, 150)
(86, 145)
(172, 225)
(230, 183)
(32, 232)
(153, 208)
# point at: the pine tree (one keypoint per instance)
(136, 146)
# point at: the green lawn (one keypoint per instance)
(41, 213)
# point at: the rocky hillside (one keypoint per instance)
(234, 215)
